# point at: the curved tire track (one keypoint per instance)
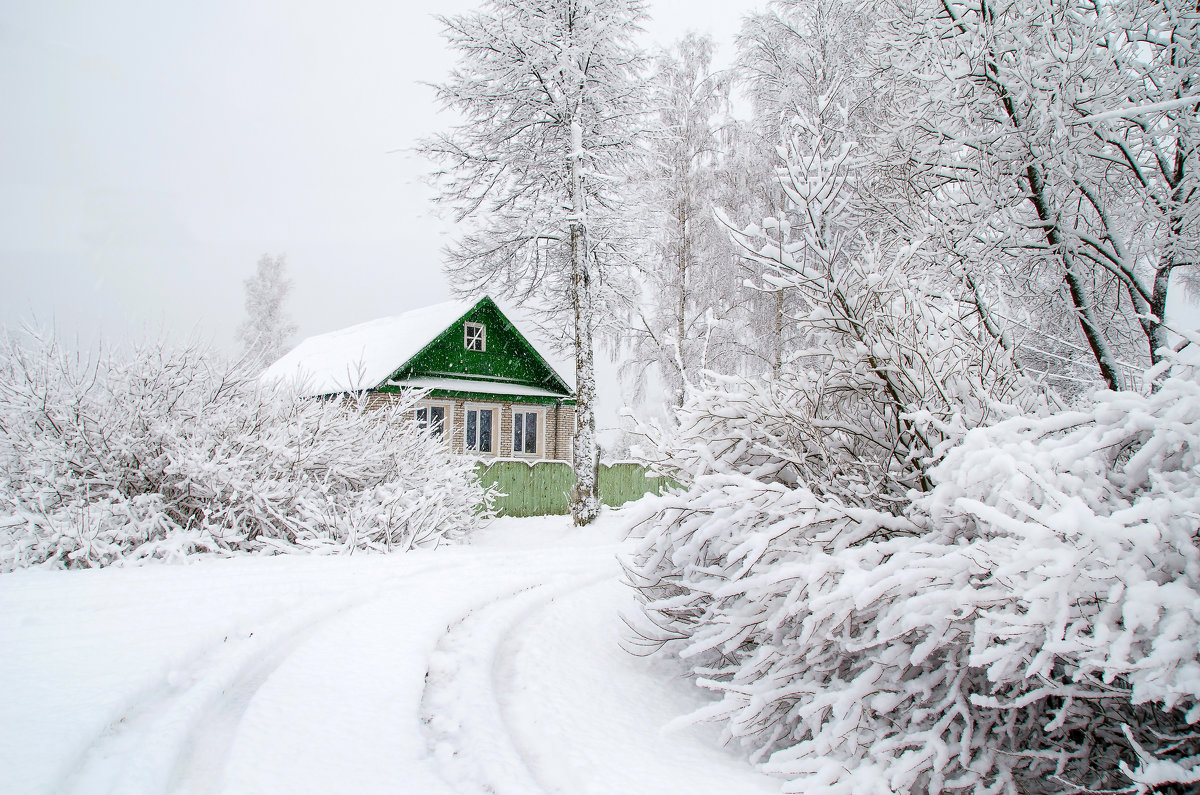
(154, 745)
(462, 708)
(432, 679)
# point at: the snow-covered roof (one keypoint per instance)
(469, 385)
(363, 356)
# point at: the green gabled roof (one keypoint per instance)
(508, 360)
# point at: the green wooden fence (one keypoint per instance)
(544, 487)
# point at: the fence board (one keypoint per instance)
(622, 483)
(543, 488)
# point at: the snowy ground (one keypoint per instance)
(489, 668)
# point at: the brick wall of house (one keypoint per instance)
(561, 418)
(559, 425)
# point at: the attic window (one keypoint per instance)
(475, 337)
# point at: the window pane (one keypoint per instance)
(471, 417)
(517, 445)
(531, 432)
(438, 414)
(474, 336)
(485, 431)
(423, 417)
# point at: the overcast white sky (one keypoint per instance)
(151, 151)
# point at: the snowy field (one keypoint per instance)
(488, 668)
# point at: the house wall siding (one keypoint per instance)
(558, 429)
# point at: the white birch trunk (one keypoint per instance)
(585, 501)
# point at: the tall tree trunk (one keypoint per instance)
(585, 500)
(777, 353)
(1075, 287)
(681, 307)
(1156, 329)
(1036, 195)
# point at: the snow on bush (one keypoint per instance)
(901, 564)
(1030, 623)
(166, 453)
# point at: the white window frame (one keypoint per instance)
(467, 328)
(540, 411)
(447, 423)
(496, 440)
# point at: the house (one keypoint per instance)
(491, 392)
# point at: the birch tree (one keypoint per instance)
(806, 55)
(549, 93)
(797, 57)
(689, 279)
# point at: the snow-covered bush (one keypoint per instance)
(1031, 623)
(895, 370)
(903, 565)
(166, 453)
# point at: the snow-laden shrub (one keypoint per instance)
(165, 453)
(904, 567)
(1031, 623)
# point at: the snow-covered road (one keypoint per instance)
(489, 668)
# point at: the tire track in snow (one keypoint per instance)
(165, 736)
(342, 714)
(422, 679)
(462, 709)
(576, 702)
